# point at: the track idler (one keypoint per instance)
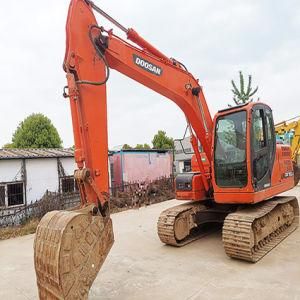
(69, 250)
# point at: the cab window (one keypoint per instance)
(230, 150)
(259, 138)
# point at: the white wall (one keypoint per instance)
(180, 166)
(42, 175)
(10, 170)
(69, 165)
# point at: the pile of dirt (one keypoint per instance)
(142, 194)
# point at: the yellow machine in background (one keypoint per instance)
(289, 132)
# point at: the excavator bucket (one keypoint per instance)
(69, 250)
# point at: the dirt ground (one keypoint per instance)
(141, 267)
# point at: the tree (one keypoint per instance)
(126, 147)
(241, 95)
(8, 146)
(146, 146)
(142, 147)
(36, 131)
(161, 141)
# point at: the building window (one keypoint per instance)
(68, 184)
(12, 194)
(2, 195)
(187, 167)
(15, 194)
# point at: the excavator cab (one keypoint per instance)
(244, 154)
(230, 151)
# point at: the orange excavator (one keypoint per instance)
(235, 180)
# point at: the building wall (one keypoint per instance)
(116, 169)
(10, 170)
(140, 166)
(146, 166)
(41, 174)
(12, 188)
(69, 165)
(180, 166)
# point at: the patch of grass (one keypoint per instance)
(27, 228)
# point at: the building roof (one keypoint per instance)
(13, 153)
(35, 153)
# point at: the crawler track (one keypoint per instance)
(182, 224)
(250, 233)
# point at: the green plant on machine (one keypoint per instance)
(243, 94)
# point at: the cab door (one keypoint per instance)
(263, 144)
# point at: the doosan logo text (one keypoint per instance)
(146, 65)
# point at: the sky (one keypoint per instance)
(213, 38)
